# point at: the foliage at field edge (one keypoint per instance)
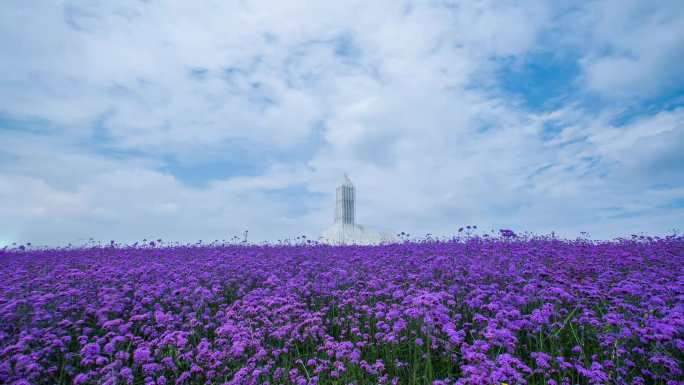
(477, 310)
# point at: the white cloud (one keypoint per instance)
(120, 200)
(633, 48)
(401, 95)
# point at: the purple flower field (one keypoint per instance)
(531, 310)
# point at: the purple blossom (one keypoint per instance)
(80, 378)
(127, 375)
(501, 309)
(141, 355)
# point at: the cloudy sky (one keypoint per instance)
(188, 120)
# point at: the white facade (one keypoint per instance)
(344, 230)
(345, 202)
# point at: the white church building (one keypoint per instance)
(344, 230)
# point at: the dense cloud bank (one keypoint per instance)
(186, 121)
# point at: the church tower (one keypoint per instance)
(345, 230)
(345, 204)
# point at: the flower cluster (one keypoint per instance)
(481, 310)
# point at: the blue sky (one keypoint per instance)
(128, 120)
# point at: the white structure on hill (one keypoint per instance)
(344, 230)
